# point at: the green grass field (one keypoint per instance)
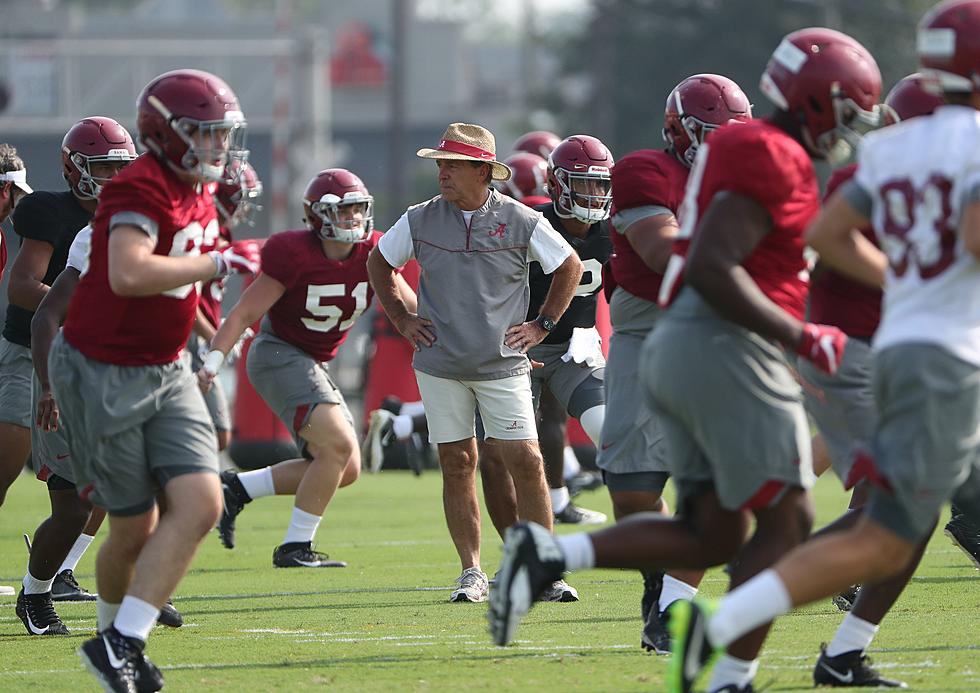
(384, 623)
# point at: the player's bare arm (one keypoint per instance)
(26, 287)
(203, 327)
(395, 302)
(563, 284)
(970, 227)
(44, 328)
(730, 230)
(652, 239)
(833, 234)
(134, 270)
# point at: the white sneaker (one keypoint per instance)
(560, 591)
(471, 586)
(571, 514)
(378, 433)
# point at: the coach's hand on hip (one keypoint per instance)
(416, 330)
(524, 336)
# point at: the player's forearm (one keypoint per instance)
(203, 327)
(564, 282)
(26, 292)
(382, 277)
(154, 274)
(232, 328)
(736, 297)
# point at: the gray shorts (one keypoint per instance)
(578, 387)
(926, 444)
(842, 405)
(49, 449)
(215, 397)
(729, 404)
(16, 371)
(631, 441)
(292, 383)
(131, 429)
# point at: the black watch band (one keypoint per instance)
(547, 324)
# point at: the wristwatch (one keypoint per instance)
(546, 323)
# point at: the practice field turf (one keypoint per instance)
(384, 623)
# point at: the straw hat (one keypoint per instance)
(470, 143)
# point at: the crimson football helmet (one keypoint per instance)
(948, 44)
(529, 176)
(236, 197)
(339, 207)
(192, 120)
(579, 179)
(94, 140)
(910, 97)
(698, 105)
(831, 83)
(540, 142)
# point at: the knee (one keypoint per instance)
(72, 514)
(886, 554)
(632, 502)
(352, 472)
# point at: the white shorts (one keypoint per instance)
(450, 407)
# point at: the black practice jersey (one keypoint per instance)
(54, 218)
(593, 251)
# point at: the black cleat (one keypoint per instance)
(583, 481)
(113, 659)
(65, 588)
(850, 669)
(235, 500)
(966, 535)
(38, 614)
(691, 651)
(531, 563)
(302, 555)
(653, 585)
(845, 600)
(656, 635)
(169, 616)
(149, 679)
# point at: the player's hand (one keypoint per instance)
(585, 347)
(236, 351)
(823, 346)
(209, 371)
(47, 412)
(241, 257)
(416, 330)
(524, 336)
(205, 380)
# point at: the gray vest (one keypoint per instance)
(473, 286)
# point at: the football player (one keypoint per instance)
(529, 184)
(137, 422)
(538, 142)
(47, 221)
(918, 185)
(312, 288)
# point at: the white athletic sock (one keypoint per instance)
(105, 613)
(731, 670)
(572, 465)
(578, 551)
(411, 409)
(591, 421)
(749, 606)
(673, 590)
(34, 586)
(853, 634)
(135, 618)
(559, 498)
(258, 483)
(77, 551)
(302, 527)
(401, 426)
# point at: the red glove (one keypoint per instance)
(241, 257)
(822, 345)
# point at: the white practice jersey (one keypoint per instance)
(80, 248)
(918, 175)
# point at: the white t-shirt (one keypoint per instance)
(79, 251)
(918, 175)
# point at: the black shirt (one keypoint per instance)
(593, 251)
(54, 218)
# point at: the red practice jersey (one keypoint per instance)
(837, 300)
(145, 330)
(323, 297)
(761, 162)
(646, 178)
(213, 292)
